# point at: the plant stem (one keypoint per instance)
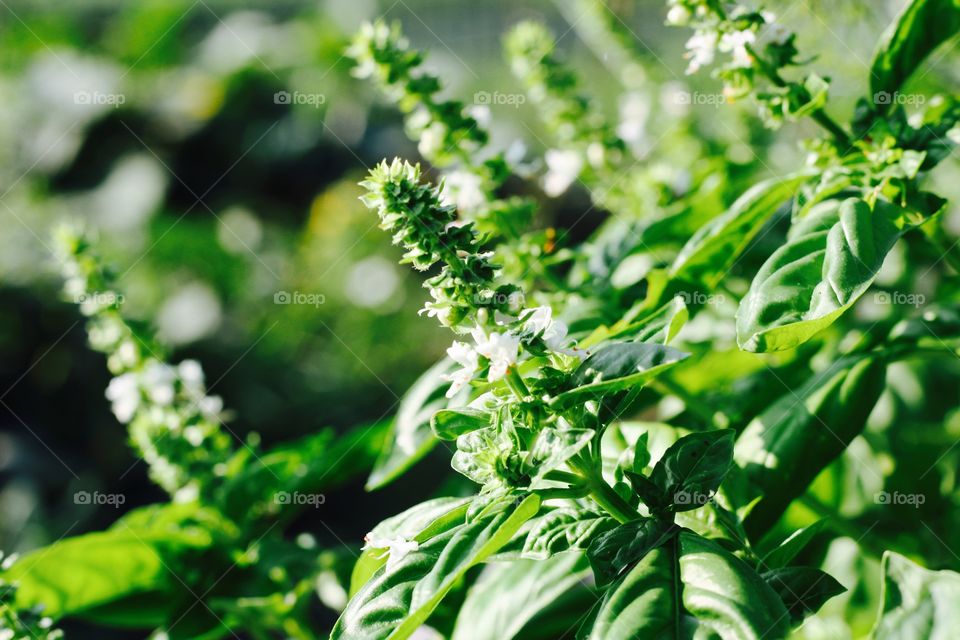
(603, 494)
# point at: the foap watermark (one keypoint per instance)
(298, 498)
(513, 300)
(896, 498)
(299, 97)
(99, 298)
(687, 98)
(497, 99)
(691, 498)
(99, 98)
(701, 299)
(97, 498)
(915, 300)
(896, 97)
(299, 297)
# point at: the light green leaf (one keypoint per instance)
(617, 366)
(817, 275)
(448, 424)
(917, 602)
(562, 530)
(782, 554)
(660, 325)
(399, 598)
(510, 595)
(921, 27)
(710, 253)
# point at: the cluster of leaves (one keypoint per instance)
(585, 519)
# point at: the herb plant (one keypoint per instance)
(596, 511)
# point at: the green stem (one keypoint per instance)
(603, 494)
(516, 384)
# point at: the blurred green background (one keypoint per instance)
(215, 149)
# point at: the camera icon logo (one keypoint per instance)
(282, 297)
(882, 97)
(482, 97)
(282, 97)
(282, 497)
(81, 497)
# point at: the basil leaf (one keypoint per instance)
(921, 27)
(617, 366)
(412, 437)
(784, 448)
(803, 590)
(917, 602)
(504, 601)
(817, 275)
(690, 471)
(448, 424)
(781, 555)
(564, 530)
(399, 598)
(660, 325)
(691, 587)
(616, 550)
(715, 247)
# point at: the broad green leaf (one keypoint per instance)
(83, 573)
(711, 252)
(448, 424)
(803, 590)
(781, 555)
(399, 598)
(614, 551)
(690, 471)
(691, 588)
(783, 449)
(617, 366)
(505, 600)
(418, 522)
(815, 277)
(917, 602)
(566, 529)
(660, 325)
(412, 437)
(921, 27)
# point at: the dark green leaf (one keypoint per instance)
(803, 590)
(614, 551)
(691, 470)
(782, 554)
(562, 530)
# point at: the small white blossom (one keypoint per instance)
(431, 139)
(563, 167)
(396, 548)
(464, 355)
(464, 190)
(736, 43)
(701, 49)
(499, 348)
(539, 322)
(123, 392)
(678, 16)
(157, 379)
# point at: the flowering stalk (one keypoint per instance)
(448, 134)
(21, 624)
(173, 423)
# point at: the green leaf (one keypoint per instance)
(781, 555)
(917, 602)
(614, 551)
(398, 599)
(817, 275)
(783, 449)
(149, 552)
(921, 27)
(448, 424)
(803, 590)
(691, 588)
(566, 529)
(617, 366)
(511, 595)
(412, 437)
(419, 522)
(690, 471)
(660, 325)
(712, 251)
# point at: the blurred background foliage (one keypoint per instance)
(212, 195)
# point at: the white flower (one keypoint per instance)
(678, 16)
(701, 48)
(210, 407)
(634, 113)
(563, 167)
(157, 379)
(539, 322)
(772, 32)
(191, 373)
(123, 392)
(464, 355)
(431, 139)
(736, 42)
(499, 348)
(463, 189)
(397, 548)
